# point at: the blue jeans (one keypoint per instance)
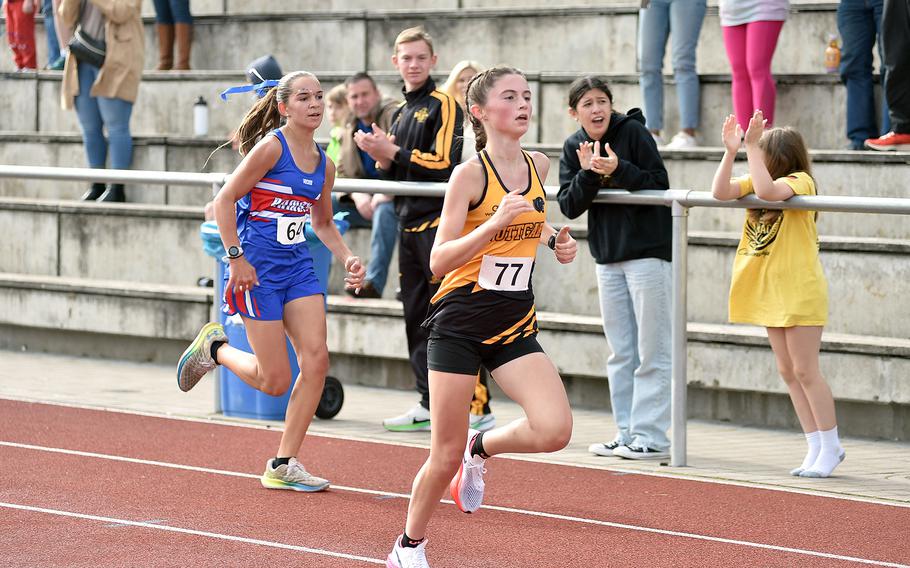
(173, 11)
(683, 18)
(97, 113)
(383, 237)
(635, 297)
(53, 46)
(859, 22)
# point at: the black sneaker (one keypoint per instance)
(604, 449)
(640, 453)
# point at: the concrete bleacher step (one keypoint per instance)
(165, 104)
(30, 101)
(869, 279)
(553, 37)
(731, 371)
(861, 174)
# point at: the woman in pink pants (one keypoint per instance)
(751, 28)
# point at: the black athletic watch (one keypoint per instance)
(552, 241)
(235, 251)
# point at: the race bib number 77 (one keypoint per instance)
(290, 230)
(505, 273)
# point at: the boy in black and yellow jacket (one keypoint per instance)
(423, 144)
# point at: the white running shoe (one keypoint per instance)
(658, 139)
(416, 419)
(681, 141)
(482, 422)
(405, 557)
(467, 485)
(292, 476)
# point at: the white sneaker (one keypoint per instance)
(681, 141)
(405, 557)
(482, 422)
(292, 476)
(658, 139)
(416, 419)
(467, 485)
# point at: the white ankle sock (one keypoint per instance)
(829, 456)
(814, 441)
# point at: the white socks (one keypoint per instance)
(812, 438)
(830, 455)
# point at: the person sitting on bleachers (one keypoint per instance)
(367, 108)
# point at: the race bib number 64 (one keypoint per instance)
(505, 273)
(290, 230)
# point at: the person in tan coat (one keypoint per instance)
(103, 97)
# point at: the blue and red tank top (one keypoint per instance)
(273, 213)
(272, 216)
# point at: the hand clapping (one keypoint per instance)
(732, 134)
(756, 129)
(590, 159)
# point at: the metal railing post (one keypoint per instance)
(217, 291)
(678, 340)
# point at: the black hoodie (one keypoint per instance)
(619, 232)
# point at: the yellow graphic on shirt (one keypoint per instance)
(421, 115)
(761, 229)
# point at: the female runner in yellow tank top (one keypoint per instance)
(493, 221)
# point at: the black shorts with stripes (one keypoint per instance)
(450, 354)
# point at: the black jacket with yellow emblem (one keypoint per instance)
(428, 129)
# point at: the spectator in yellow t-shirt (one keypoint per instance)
(778, 281)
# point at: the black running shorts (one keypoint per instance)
(448, 354)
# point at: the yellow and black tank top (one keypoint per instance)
(489, 299)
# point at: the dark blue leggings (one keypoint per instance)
(173, 11)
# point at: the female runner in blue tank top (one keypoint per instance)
(283, 181)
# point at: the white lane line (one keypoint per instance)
(540, 514)
(687, 476)
(194, 532)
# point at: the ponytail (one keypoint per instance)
(262, 119)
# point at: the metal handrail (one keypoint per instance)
(679, 201)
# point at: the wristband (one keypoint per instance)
(551, 242)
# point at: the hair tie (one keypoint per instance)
(261, 89)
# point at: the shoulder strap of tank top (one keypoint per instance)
(486, 182)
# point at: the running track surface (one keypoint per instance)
(82, 487)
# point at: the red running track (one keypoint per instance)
(165, 492)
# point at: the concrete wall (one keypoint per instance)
(165, 105)
(132, 242)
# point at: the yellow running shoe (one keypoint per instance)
(292, 476)
(197, 360)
